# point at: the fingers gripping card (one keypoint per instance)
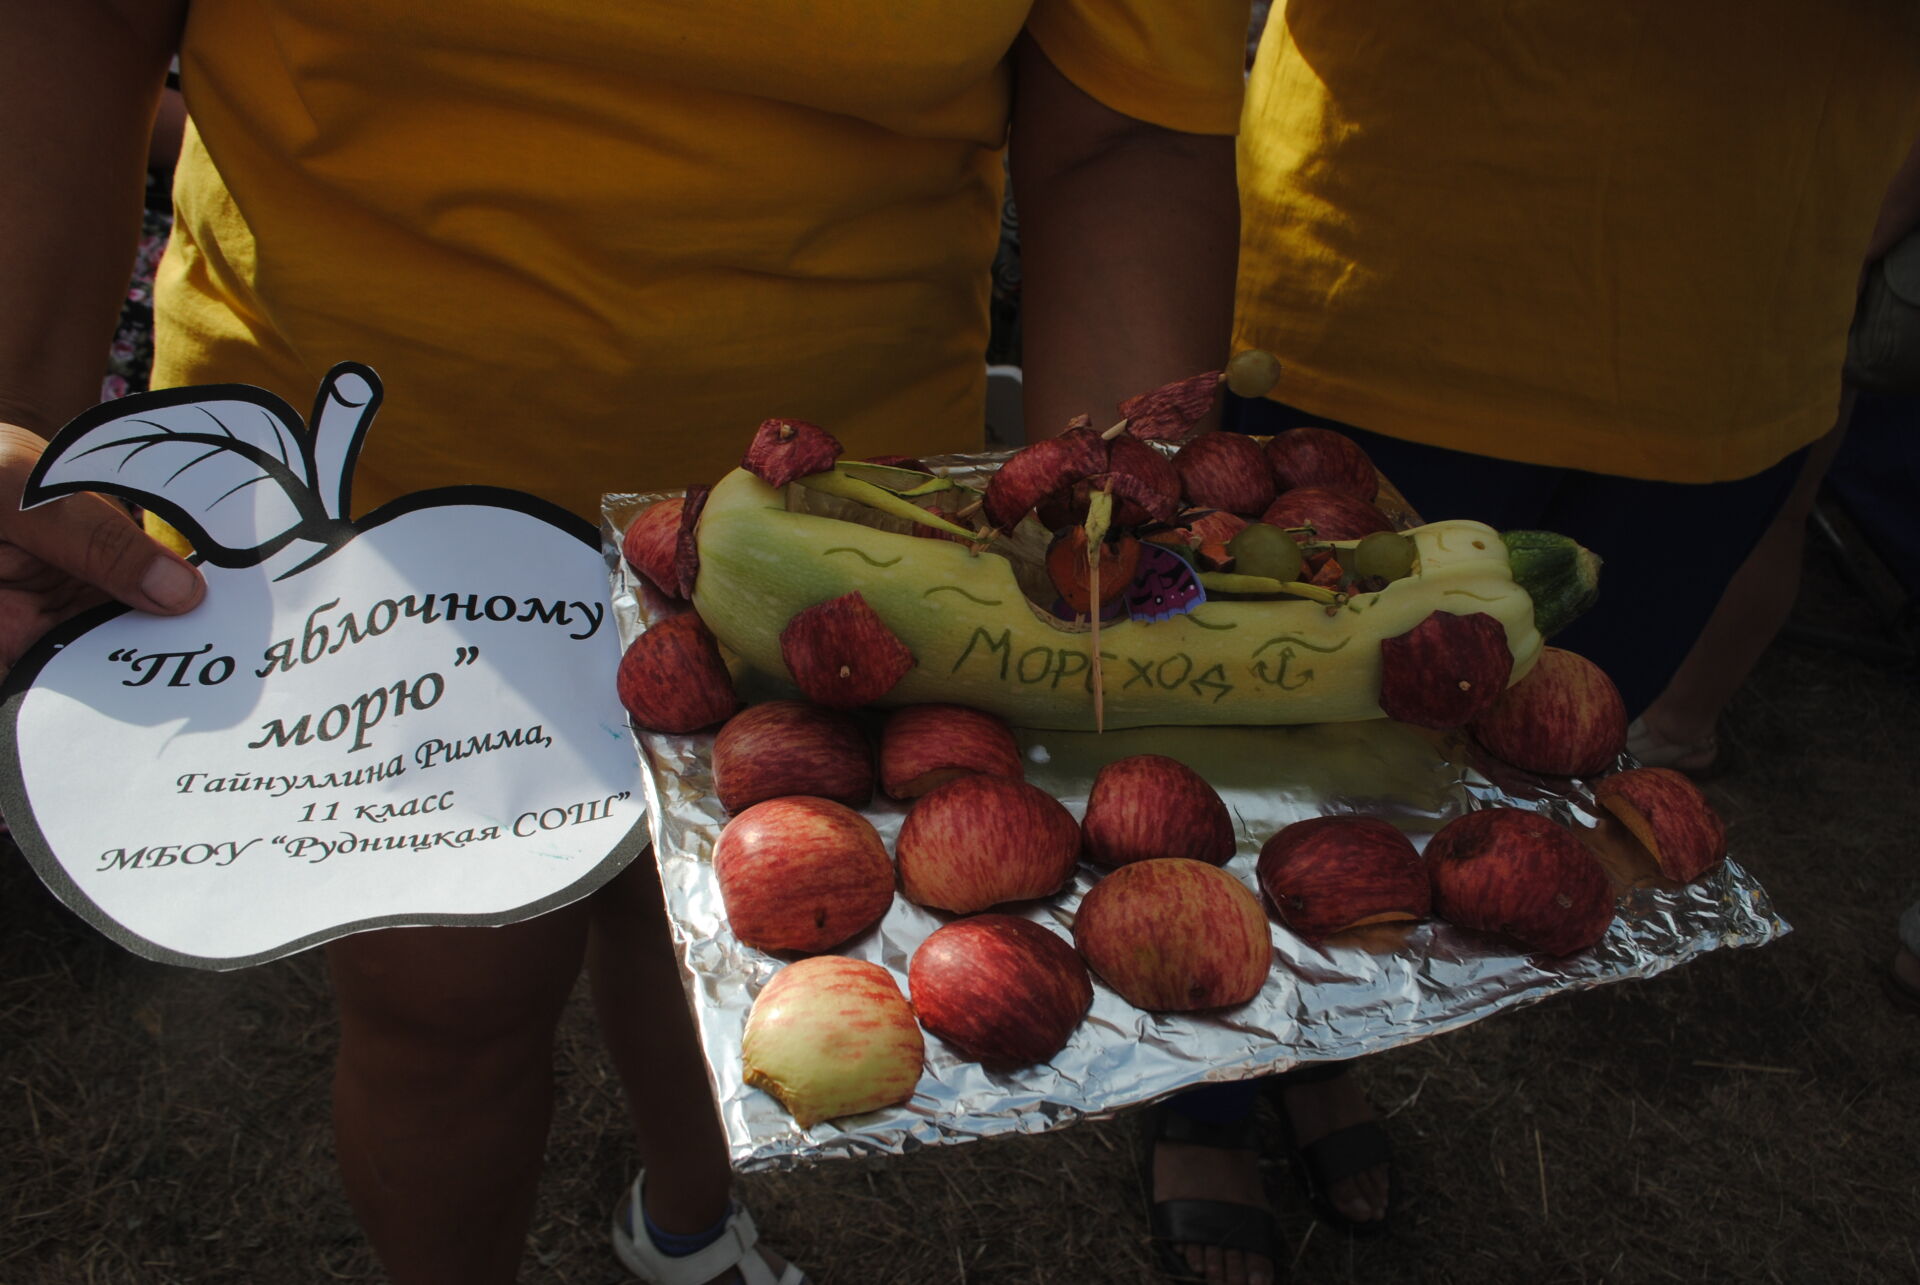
(406, 719)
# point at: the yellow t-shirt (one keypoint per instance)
(1620, 237)
(588, 245)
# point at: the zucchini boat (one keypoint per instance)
(977, 639)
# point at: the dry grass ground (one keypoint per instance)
(1750, 1116)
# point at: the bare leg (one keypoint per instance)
(1755, 605)
(650, 1034)
(443, 1088)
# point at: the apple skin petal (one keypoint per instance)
(1039, 470)
(841, 654)
(1142, 477)
(1444, 671)
(785, 449)
(1170, 411)
(686, 549)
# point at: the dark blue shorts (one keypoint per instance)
(1668, 549)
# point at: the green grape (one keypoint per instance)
(1252, 372)
(1385, 554)
(1265, 550)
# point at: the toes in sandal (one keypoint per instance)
(1701, 760)
(1336, 1156)
(1216, 1223)
(735, 1249)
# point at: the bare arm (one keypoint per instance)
(1900, 209)
(1129, 235)
(79, 82)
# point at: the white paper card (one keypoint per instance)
(410, 719)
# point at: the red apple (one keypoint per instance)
(1222, 470)
(1670, 816)
(1145, 488)
(979, 841)
(1327, 874)
(922, 746)
(1445, 670)
(651, 542)
(1564, 718)
(1175, 935)
(1322, 457)
(1148, 805)
(1333, 515)
(791, 747)
(831, 1037)
(673, 678)
(801, 873)
(1522, 876)
(1003, 991)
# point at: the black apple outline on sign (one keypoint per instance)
(233, 468)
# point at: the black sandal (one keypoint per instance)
(1220, 1223)
(1342, 1154)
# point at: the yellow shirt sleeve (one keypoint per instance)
(1180, 65)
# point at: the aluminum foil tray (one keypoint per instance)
(1372, 990)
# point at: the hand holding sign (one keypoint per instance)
(404, 719)
(60, 559)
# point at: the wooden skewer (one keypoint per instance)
(1099, 517)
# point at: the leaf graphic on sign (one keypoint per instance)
(232, 467)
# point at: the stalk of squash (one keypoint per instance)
(978, 641)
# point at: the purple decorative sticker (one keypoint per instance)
(1165, 586)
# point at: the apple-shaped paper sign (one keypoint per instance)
(408, 719)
